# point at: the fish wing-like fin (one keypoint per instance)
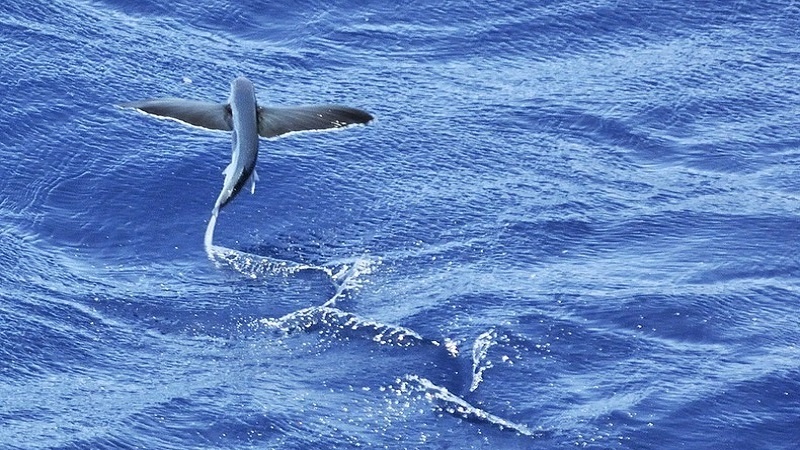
(214, 116)
(276, 121)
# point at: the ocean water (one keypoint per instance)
(571, 225)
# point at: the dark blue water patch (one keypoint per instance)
(37, 346)
(756, 415)
(139, 9)
(49, 330)
(45, 19)
(549, 238)
(616, 135)
(781, 267)
(107, 442)
(718, 234)
(191, 421)
(683, 318)
(188, 420)
(727, 156)
(545, 30)
(208, 309)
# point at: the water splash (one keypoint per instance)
(252, 265)
(336, 321)
(349, 278)
(479, 362)
(457, 406)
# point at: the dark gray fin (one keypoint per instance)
(275, 121)
(214, 116)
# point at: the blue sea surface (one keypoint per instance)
(572, 224)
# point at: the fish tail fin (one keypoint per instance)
(253, 180)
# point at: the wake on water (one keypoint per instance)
(345, 278)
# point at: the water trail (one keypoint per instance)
(345, 276)
(255, 265)
(457, 406)
(341, 322)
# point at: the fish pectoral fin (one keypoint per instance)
(276, 121)
(228, 170)
(213, 116)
